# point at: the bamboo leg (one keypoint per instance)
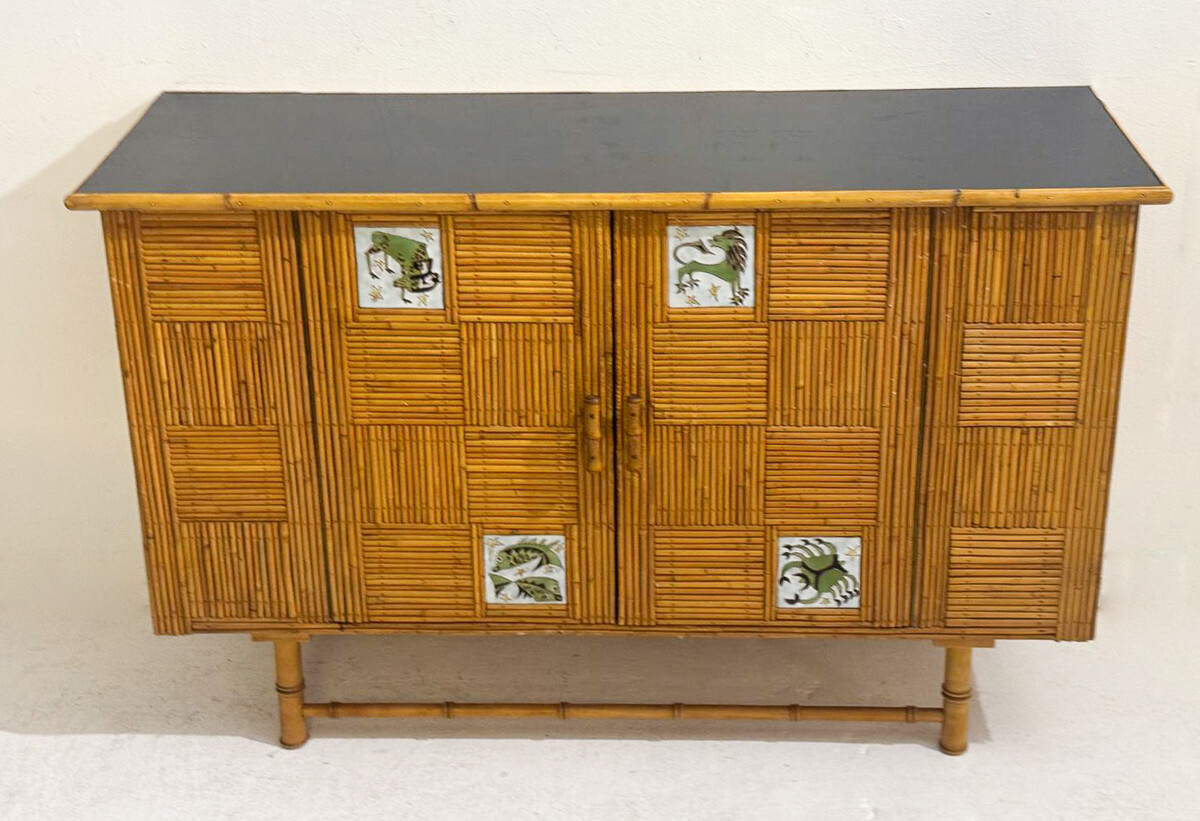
(956, 700)
(289, 683)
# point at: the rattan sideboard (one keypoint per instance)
(761, 364)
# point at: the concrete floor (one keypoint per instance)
(100, 719)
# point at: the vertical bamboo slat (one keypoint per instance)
(323, 256)
(1104, 346)
(941, 398)
(640, 243)
(145, 427)
(592, 244)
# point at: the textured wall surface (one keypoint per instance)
(77, 75)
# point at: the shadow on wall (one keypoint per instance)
(63, 446)
(78, 653)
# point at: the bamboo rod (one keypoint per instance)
(563, 710)
(289, 684)
(956, 700)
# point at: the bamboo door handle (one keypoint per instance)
(634, 408)
(591, 433)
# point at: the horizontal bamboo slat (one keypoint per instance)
(1020, 374)
(565, 710)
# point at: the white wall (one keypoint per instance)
(77, 74)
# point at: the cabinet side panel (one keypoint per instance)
(167, 599)
(1024, 372)
(1104, 348)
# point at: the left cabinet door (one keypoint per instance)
(462, 374)
(210, 331)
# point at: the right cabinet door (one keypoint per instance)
(769, 381)
(1025, 370)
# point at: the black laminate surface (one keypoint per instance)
(193, 142)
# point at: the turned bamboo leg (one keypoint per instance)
(956, 700)
(289, 683)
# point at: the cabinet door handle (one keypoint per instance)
(634, 408)
(592, 436)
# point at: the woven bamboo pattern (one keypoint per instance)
(393, 556)
(1025, 370)
(816, 475)
(202, 268)
(526, 371)
(707, 574)
(515, 269)
(1010, 578)
(708, 474)
(243, 570)
(831, 267)
(420, 380)
(713, 373)
(827, 374)
(215, 373)
(1020, 374)
(412, 474)
(227, 474)
(1030, 267)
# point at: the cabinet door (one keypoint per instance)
(769, 377)
(1025, 367)
(463, 394)
(212, 353)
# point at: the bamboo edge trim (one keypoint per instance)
(677, 201)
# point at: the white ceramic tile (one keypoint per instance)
(525, 569)
(399, 267)
(710, 266)
(819, 572)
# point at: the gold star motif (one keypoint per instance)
(680, 232)
(424, 299)
(713, 290)
(376, 293)
(427, 234)
(691, 300)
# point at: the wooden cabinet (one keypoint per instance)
(791, 410)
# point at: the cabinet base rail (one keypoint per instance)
(564, 710)
(294, 711)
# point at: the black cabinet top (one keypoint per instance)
(775, 141)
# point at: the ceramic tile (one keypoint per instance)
(710, 266)
(399, 267)
(525, 569)
(819, 572)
